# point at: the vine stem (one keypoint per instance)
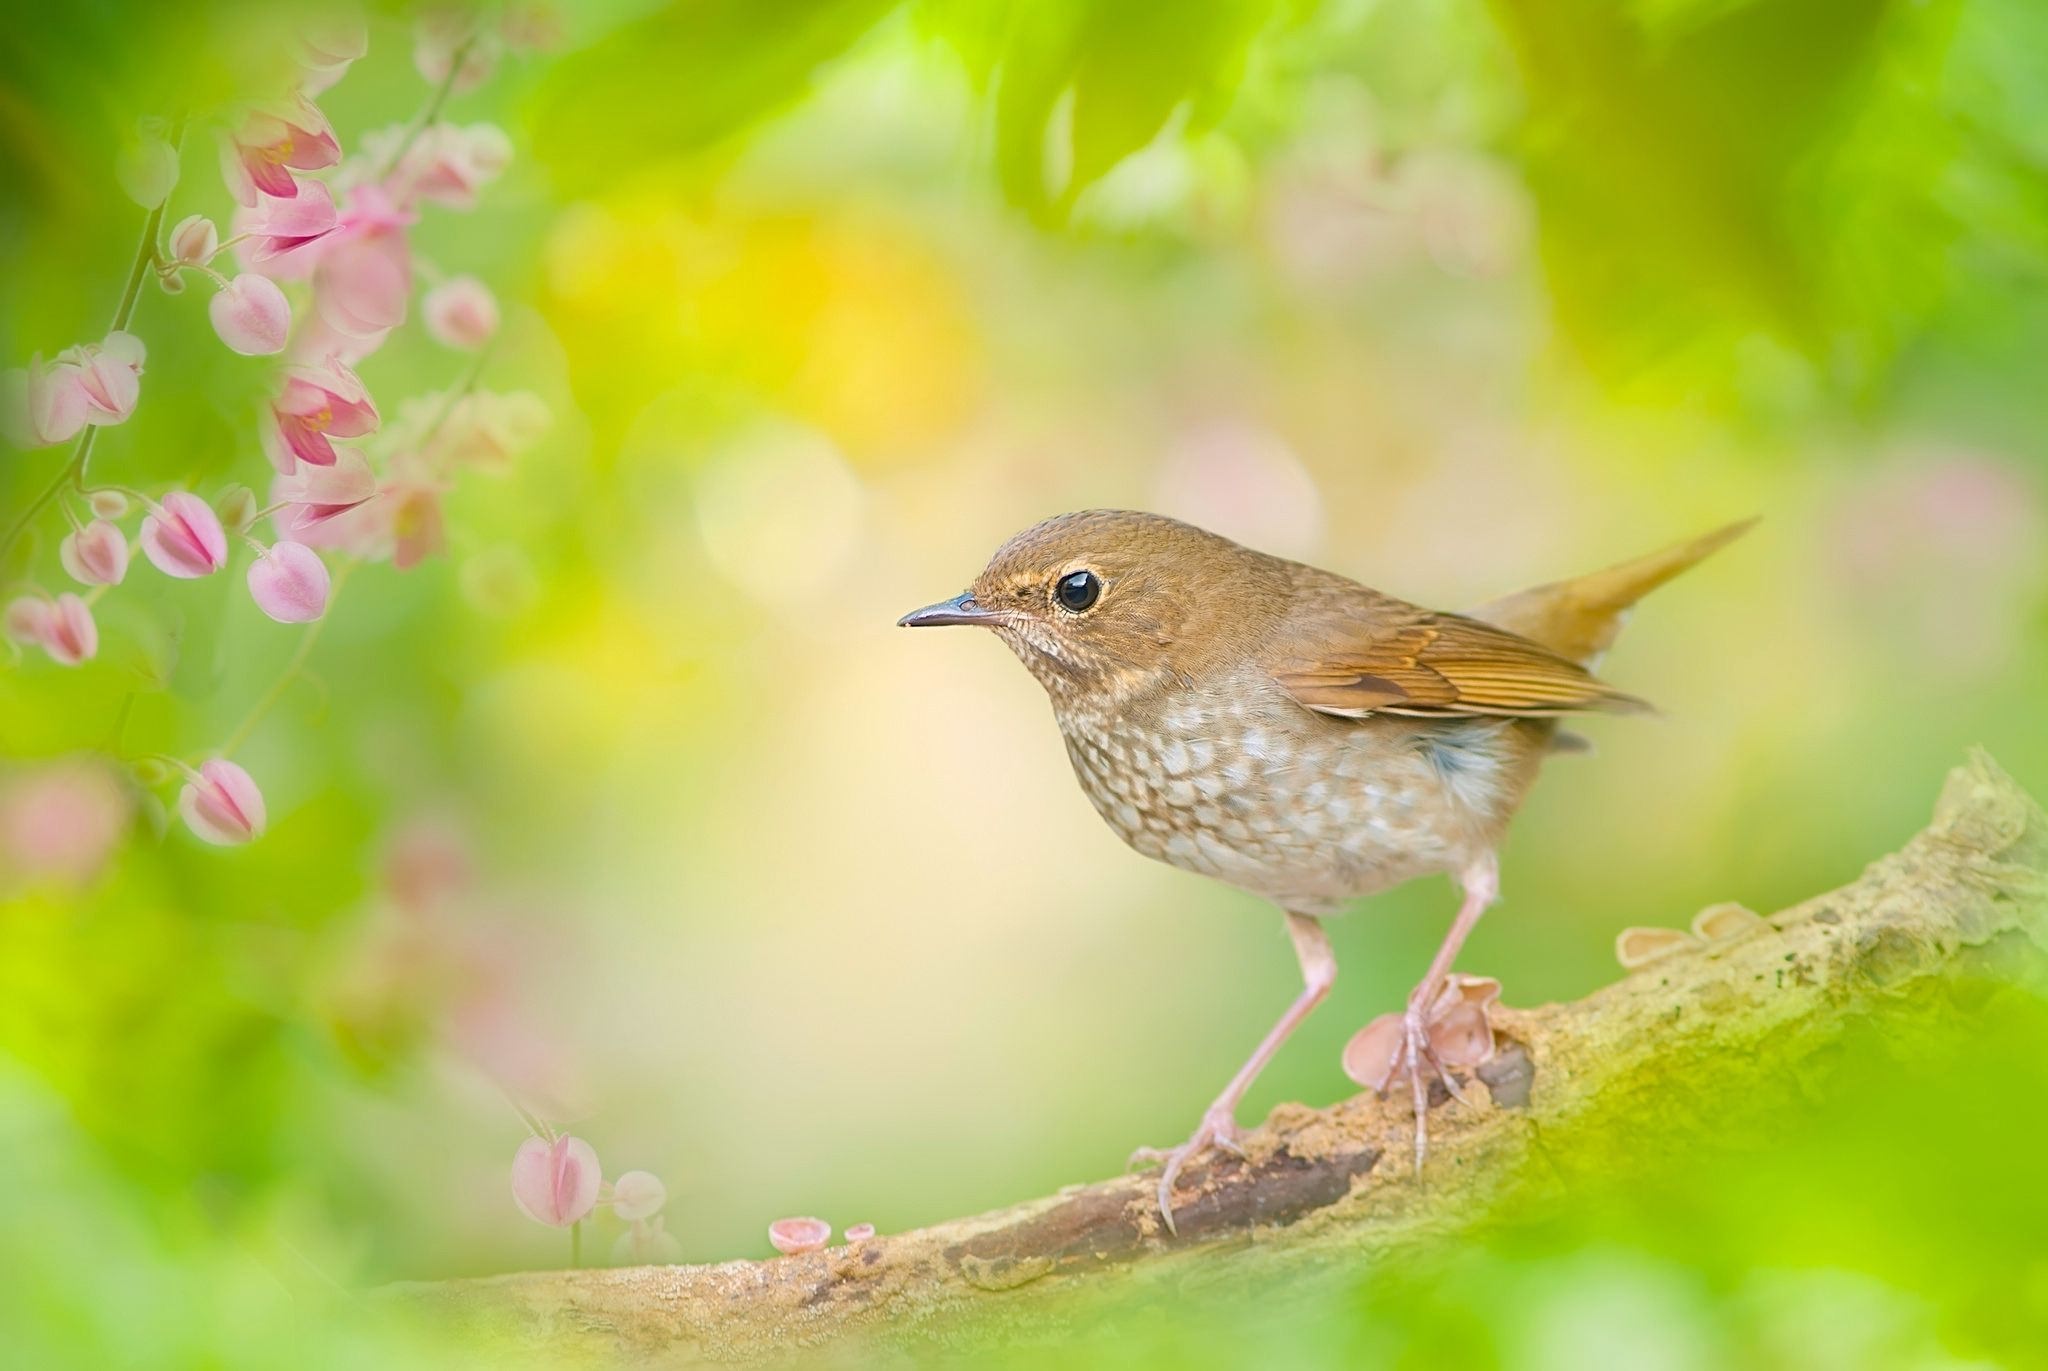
(425, 118)
(73, 471)
(291, 669)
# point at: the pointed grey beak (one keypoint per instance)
(961, 609)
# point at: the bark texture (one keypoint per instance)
(1669, 1052)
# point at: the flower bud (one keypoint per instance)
(148, 169)
(251, 315)
(289, 582)
(221, 804)
(555, 1183)
(194, 241)
(182, 537)
(638, 1195)
(69, 635)
(237, 508)
(108, 504)
(460, 313)
(96, 555)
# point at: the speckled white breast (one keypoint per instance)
(1308, 811)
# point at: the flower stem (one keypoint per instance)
(576, 1243)
(425, 118)
(291, 670)
(73, 471)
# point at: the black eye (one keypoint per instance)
(1077, 590)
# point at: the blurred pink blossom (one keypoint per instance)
(317, 402)
(272, 139)
(60, 821)
(646, 1242)
(460, 313)
(25, 619)
(289, 582)
(328, 44)
(182, 537)
(193, 241)
(69, 634)
(445, 164)
(313, 495)
(110, 373)
(791, 1236)
(427, 864)
(251, 315)
(281, 231)
(418, 529)
(221, 804)
(555, 1183)
(483, 429)
(43, 404)
(860, 1232)
(638, 1195)
(95, 555)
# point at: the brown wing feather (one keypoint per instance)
(1375, 655)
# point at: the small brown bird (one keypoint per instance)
(1296, 734)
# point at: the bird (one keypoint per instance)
(1297, 735)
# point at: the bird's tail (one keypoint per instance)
(1578, 619)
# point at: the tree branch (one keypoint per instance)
(1664, 1049)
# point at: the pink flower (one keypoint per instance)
(221, 804)
(251, 315)
(791, 1236)
(26, 618)
(69, 635)
(289, 133)
(289, 583)
(96, 555)
(110, 373)
(194, 241)
(555, 1183)
(44, 404)
(362, 284)
(277, 225)
(417, 528)
(860, 1232)
(317, 402)
(484, 429)
(638, 1195)
(182, 537)
(460, 313)
(644, 1242)
(317, 494)
(328, 45)
(60, 822)
(446, 164)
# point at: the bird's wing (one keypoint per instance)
(1364, 653)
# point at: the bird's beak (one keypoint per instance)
(961, 609)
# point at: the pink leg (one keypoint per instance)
(1481, 881)
(1218, 1128)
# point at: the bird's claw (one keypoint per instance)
(1218, 1131)
(1443, 1027)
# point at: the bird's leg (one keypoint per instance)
(1218, 1128)
(1481, 883)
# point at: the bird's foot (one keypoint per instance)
(1218, 1130)
(1444, 1027)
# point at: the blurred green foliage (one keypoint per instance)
(827, 298)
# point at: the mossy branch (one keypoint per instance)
(1670, 1051)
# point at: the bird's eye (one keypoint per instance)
(1077, 590)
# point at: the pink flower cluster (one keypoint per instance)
(327, 272)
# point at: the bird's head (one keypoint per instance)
(1105, 605)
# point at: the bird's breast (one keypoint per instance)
(1311, 812)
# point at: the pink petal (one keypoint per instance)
(362, 287)
(289, 583)
(222, 804)
(288, 225)
(318, 494)
(182, 537)
(556, 1183)
(46, 403)
(791, 1236)
(69, 634)
(96, 555)
(251, 315)
(1372, 1057)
